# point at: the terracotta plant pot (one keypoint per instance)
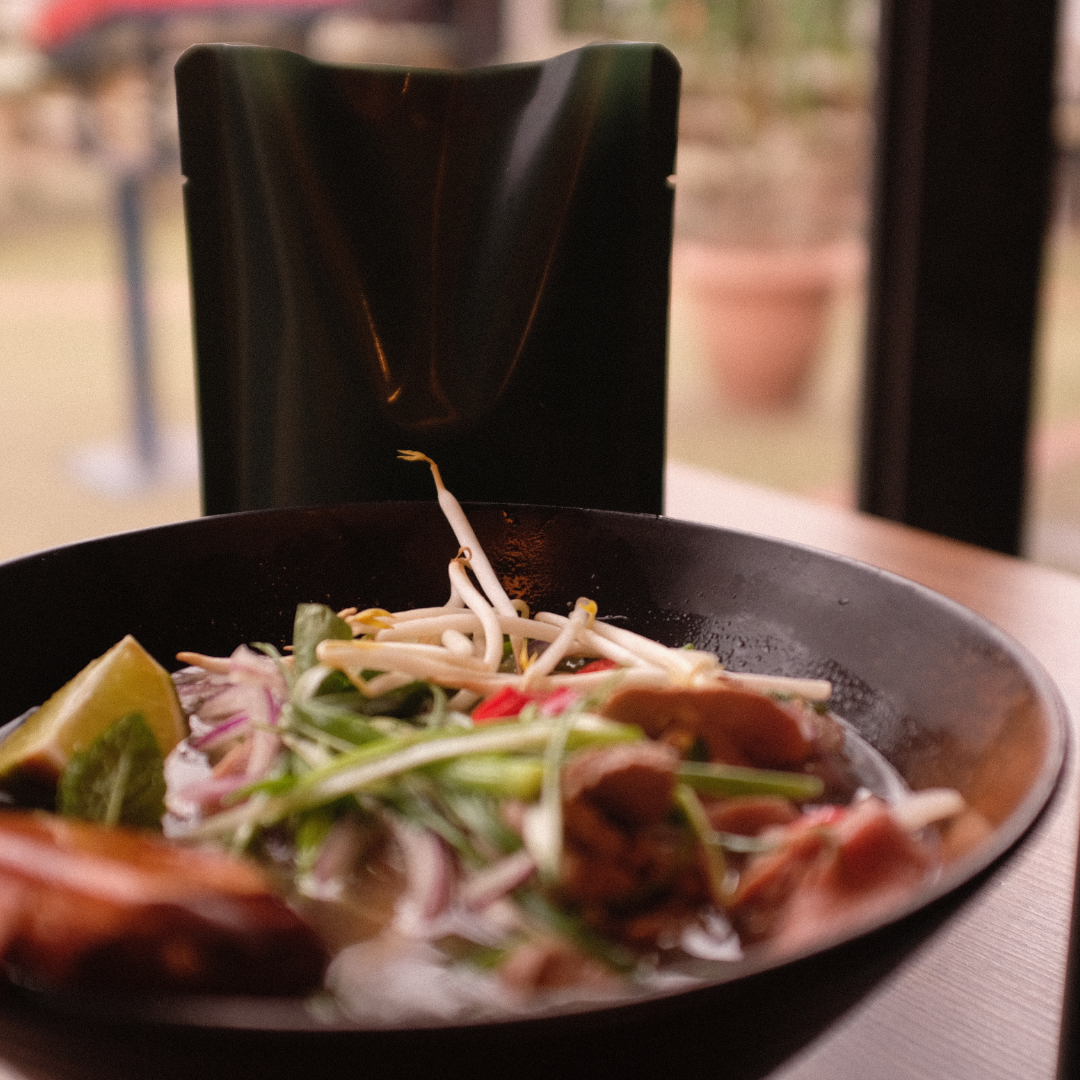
(762, 313)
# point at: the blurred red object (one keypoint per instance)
(62, 21)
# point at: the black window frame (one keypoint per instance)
(961, 192)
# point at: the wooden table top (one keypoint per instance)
(971, 991)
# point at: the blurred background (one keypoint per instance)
(97, 410)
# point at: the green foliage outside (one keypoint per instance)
(795, 54)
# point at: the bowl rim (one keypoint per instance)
(294, 1015)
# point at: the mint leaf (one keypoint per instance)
(119, 779)
(315, 623)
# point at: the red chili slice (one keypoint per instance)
(597, 665)
(506, 703)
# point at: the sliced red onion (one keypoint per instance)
(247, 667)
(340, 851)
(274, 708)
(229, 702)
(264, 748)
(207, 794)
(184, 766)
(254, 685)
(494, 882)
(234, 726)
(429, 877)
(195, 686)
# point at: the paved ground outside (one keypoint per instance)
(65, 414)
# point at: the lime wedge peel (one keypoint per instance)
(125, 679)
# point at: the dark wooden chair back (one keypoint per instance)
(473, 264)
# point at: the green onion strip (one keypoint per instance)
(361, 769)
(729, 781)
(543, 828)
(712, 856)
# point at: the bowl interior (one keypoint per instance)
(949, 699)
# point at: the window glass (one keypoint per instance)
(768, 297)
(98, 431)
(771, 205)
(1053, 525)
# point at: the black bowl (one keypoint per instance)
(945, 696)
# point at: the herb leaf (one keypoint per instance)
(118, 779)
(315, 623)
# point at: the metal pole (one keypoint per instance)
(129, 206)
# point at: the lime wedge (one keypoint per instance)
(124, 680)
